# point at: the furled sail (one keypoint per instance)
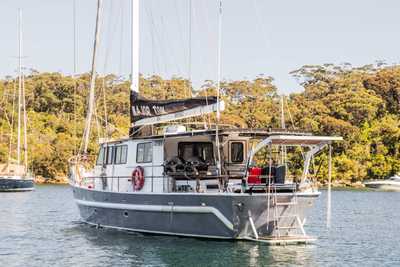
(146, 112)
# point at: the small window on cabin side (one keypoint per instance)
(144, 153)
(100, 157)
(117, 154)
(237, 154)
(110, 154)
(120, 154)
(124, 154)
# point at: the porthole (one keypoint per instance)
(126, 214)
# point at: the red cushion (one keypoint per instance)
(254, 175)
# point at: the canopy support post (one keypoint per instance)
(328, 201)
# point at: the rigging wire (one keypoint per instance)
(260, 25)
(25, 118)
(74, 76)
(109, 30)
(168, 43)
(159, 40)
(19, 85)
(12, 124)
(190, 51)
(156, 66)
(153, 51)
(208, 33)
(121, 38)
(86, 135)
(180, 30)
(219, 86)
(290, 114)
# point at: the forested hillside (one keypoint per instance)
(360, 104)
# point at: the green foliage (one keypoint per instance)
(360, 104)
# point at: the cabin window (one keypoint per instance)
(200, 150)
(110, 154)
(120, 154)
(100, 157)
(237, 152)
(144, 153)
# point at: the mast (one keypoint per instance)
(75, 73)
(135, 45)
(218, 86)
(89, 115)
(19, 84)
(25, 126)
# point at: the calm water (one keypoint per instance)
(42, 228)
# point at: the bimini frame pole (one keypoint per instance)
(328, 197)
(89, 115)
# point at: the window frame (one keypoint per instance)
(182, 144)
(112, 150)
(121, 149)
(102, 151)
(137, 152)
(231, 150)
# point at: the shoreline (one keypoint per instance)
(53, 181)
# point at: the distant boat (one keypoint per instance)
(15, 176)
(390, 184)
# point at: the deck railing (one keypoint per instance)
(114, 183)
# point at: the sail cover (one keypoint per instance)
(142, 108)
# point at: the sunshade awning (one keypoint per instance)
(301, 139)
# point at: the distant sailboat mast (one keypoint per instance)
(89, 115)
(21, 101)
(19, 85)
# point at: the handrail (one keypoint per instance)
(90, 181)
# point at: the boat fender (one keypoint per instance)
(138, 178)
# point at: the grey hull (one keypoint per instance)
(16, 185)
(187, 214)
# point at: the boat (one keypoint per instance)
(205, 183)
(390, 184)
(14, 176)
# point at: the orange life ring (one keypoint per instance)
(138, 178)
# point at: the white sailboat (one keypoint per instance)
(202, 183)
(390, 184)
(15, 176)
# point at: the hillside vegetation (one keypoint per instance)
(360, 104)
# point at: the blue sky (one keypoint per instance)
(258, 36)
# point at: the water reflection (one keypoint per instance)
(135, 248)
(39, 229)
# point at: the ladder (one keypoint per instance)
(288, 221)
